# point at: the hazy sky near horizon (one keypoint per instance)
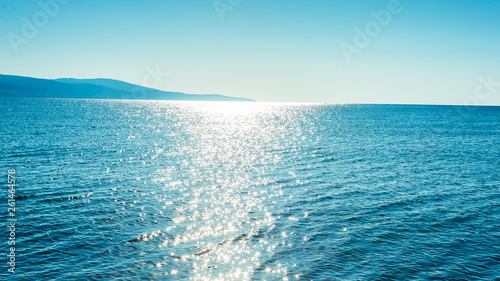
(366, 51)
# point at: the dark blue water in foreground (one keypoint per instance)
(145, 190)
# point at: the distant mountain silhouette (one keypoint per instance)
(19, 86)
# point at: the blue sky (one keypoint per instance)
(427, 52)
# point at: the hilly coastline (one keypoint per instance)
(28, 87)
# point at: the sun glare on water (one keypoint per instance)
(225, 205)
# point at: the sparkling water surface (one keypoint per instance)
(156, 190)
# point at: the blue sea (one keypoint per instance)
(157, 190)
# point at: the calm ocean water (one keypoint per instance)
(146, 190)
